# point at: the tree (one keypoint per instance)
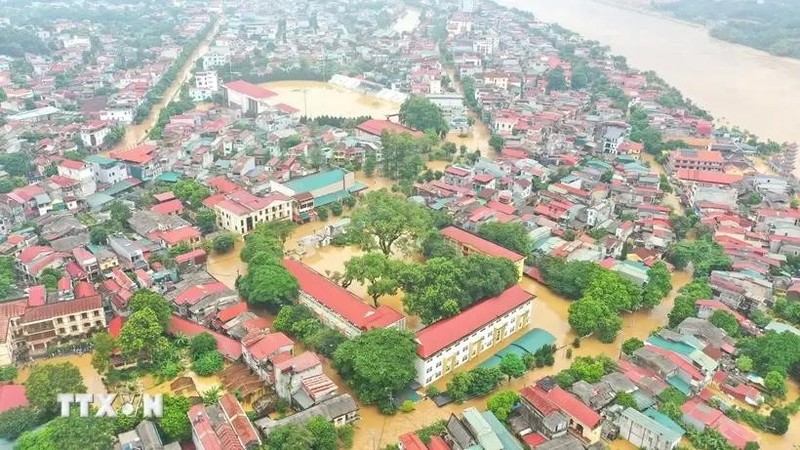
(8, 373)
(778, 421)
(322, 212)
(497, 142)
(569, 279)
(16, 164)
(46, 381)
(206, 220)
(3, 96)
(141, 335)
(369, 164)
(201, 344)
(291, 437)
(16, 421)
(458, 387)
(607, 176)
(512, 366)
(626, 400)
(324, 432)
(175, 423)
(336, 209)
(387, 220)
(484, 380)
(779, 352)
(377, 363)
(752, 446)
(401, 156)
(511, 235)
(775, 384)
(556, 80)
(224, 243)
(98, 236)
(502, 403)
(49, 278)
(373, 267)
(584, 315)
(435, 246)
(422, 114)
(725, 321)
(268, 284)
(590, 369)
(631, 345)
(103, 346)
(90, 433)
(658, 285)
(316, 158)
(147, 299)
(120, 212)
(744, 363)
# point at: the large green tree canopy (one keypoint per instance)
(384, 220)
(420, 113)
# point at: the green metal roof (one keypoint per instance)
(169, 177)
(482, 430)
(708, 363)
(534, 340)
(327, 199)
(315, 181)
(508, 441)
(653, 425)
(101, 160)
(679, 384)
(664, 420)
(780, 327)
(98, 199)
(676, 347)
(116, 188)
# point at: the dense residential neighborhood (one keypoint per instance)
(354, 224)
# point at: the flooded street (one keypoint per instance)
(136, 134)
(319, 98)
(670, 199)
(740, 85)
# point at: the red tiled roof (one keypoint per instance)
(509, 209)
(72, 164)
(241, 425)
(340, 300)
(52, 310)
(196, 253)
(705, 176)
(537, 398)
(29, 254)
(249, 89)
(164, 196)
(299, 363)
(12, 396)
(74, 270)
(115, 326)
(679, 361)
(578, 410)
(203, 429)
(82, 255)
(84, 289)
(178, 235)
(698, 155)
(194, 294)
(222, 184)
(168, 207)
(410, 441)
(480, 244)
(376, 127)
(269, 345)
(37, 296)
(227, 346)
(438, 443)
(534, 439)
(229, 312)
(483, 178)
(139, 155)
(435, 337)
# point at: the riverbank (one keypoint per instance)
(737, 84)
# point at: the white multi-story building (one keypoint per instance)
(124, 115)
(216, 57)
(107, 170)
(449, 343)
(240, 211)
(81, 172)
(206, 84)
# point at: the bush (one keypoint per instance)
(224, 243)
(208, 364)
(407, 406)
(8, 373)
(336, 209)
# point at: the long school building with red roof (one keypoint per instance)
(449, 343)
(336, 306)
(472, 243)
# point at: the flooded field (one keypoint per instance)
(408, 21)
(318, 98)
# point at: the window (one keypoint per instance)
(72, 318)
(74, 328)
(97, 313)
(84, 316)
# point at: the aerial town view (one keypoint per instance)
(399, 225)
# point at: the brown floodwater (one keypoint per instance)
(136, 134)
(319, 98)
(92, 380)
(408, 22)
(738, 85)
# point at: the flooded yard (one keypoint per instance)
(318, 98)
(92, 380)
